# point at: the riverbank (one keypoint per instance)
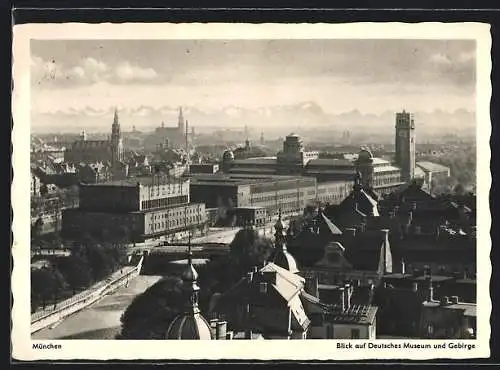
(100, 320)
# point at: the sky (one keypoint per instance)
(371, 76)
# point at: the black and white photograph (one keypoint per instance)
(296, 185)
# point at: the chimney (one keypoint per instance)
(342, 298)
(249, 277)
(454, 299)
(349, 288)
(221, 330)
(387, 257)
(213, 328)
(229, 335)
(414, 287)
(444, 301)
(248, 334)
(430, 294)
(403, 266)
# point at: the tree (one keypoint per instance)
(98, 260)
(248, 249)
(150, 313)
(76, 270)
(46, 284)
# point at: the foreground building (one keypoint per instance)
(134, 210)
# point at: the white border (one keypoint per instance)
(265, 350)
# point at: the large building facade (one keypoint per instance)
(288, 193)
(134, 210)
(92, 151)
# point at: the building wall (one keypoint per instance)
(78, 223)
(105, 198)
(290, 196)
(138, 225)
(341, 331)
(164, 194)
(108, 197)
(89, 151)
(333, 192)
(170, 220)
(445, 322)
(211, 195)
(389, 178)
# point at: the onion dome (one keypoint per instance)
(190, 325)
(282, 257)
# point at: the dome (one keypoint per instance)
(228, 155)
(285, 260)
(365, 154)
(189, 326)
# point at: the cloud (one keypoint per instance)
(87, 72)
(440, 58)
(127, 72)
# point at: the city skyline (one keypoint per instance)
(371, 76)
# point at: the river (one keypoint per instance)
(100, 320)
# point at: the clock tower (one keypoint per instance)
(405, 145)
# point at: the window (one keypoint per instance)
(354, 333)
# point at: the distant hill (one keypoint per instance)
(284, 118)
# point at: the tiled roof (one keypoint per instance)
(357, 313)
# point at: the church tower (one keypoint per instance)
(405, 144)
(116, 141)
(181, 122)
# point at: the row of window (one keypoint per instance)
(164, 202)
(173, 223)
(177, 213)
(386, 180)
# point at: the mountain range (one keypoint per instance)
(297, 117)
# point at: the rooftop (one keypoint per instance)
(238, 179)
(469, 309)
(330, 162)
(356, 314)
(144, 181)
(432, 167)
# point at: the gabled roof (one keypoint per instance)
(287, 284)
(334, 230)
